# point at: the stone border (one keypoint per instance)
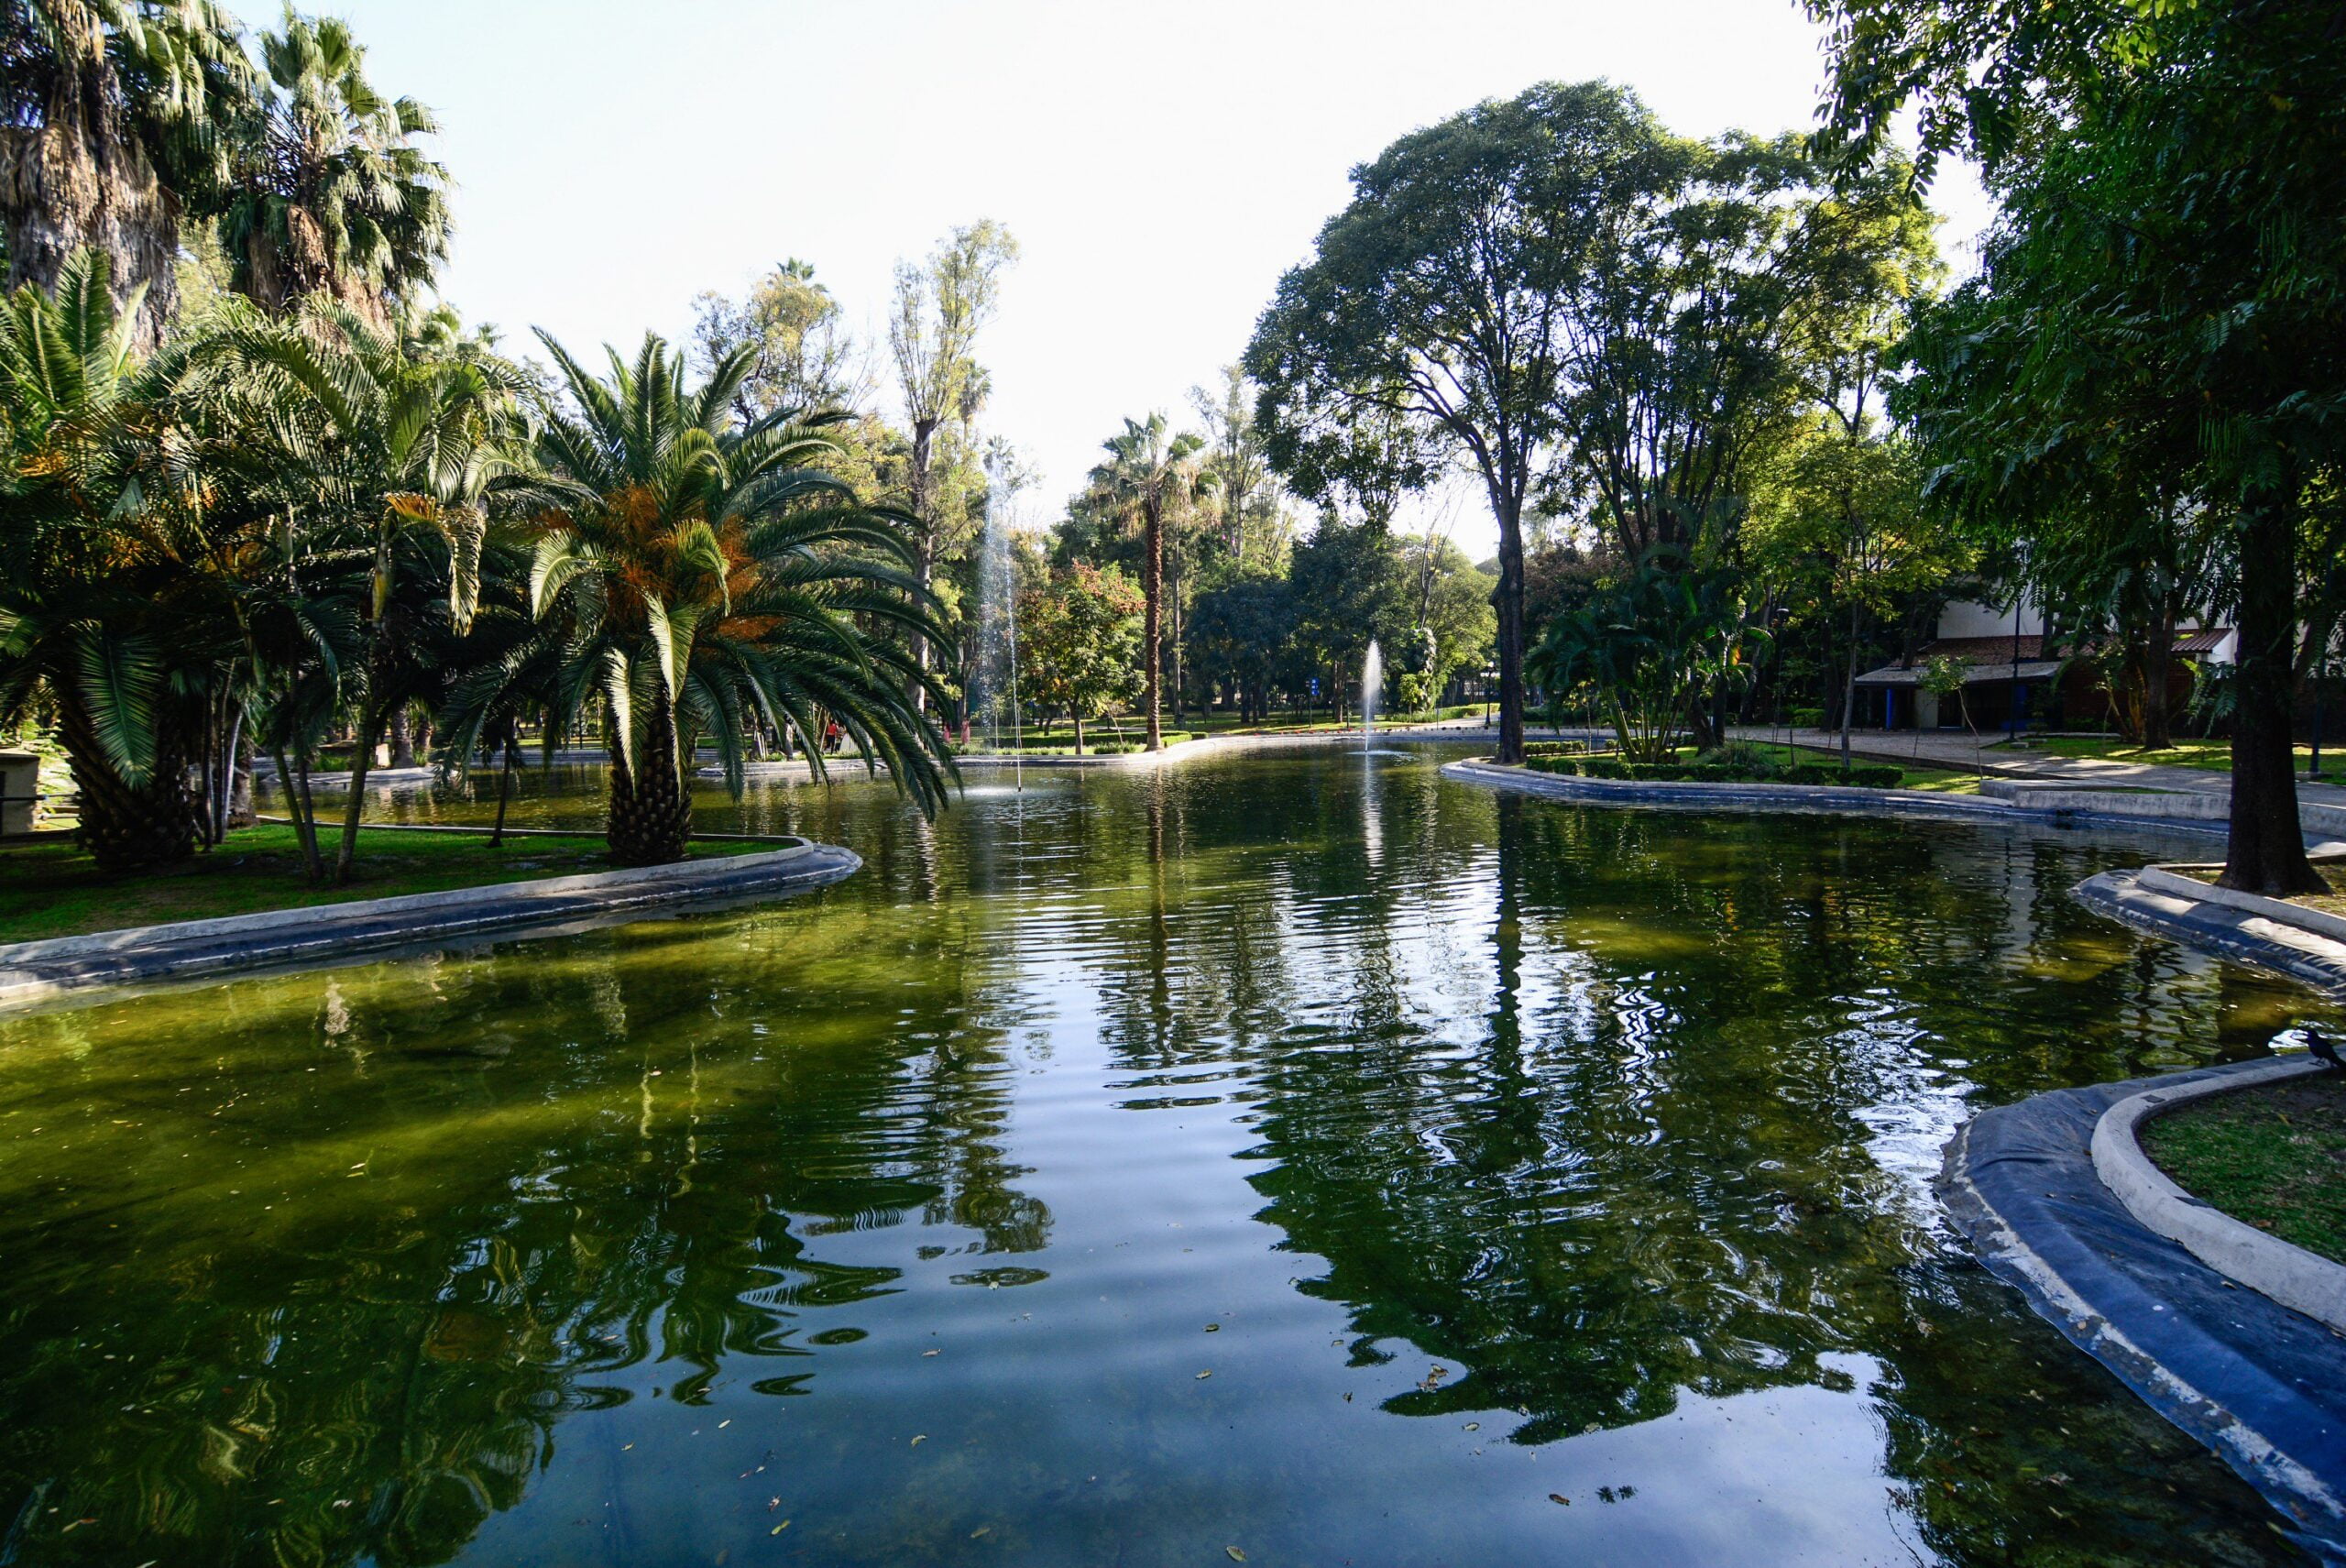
(2280, 911)
(2252, 1379)
(57, 966)
(2284, 948)
(1815, 799)
(2297, 1278)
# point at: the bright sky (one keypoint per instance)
(1160, 165)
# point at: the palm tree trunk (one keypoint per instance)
(1153, 592)
(85, 179)
(297, 806)
(128, 828)
(651, 817)
(504, 790)
(370, 730)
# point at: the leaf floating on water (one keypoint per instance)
(1204, 1375)
(723, 1424)
(917, 1440)
(1560, 1497)
(928, 1352)
(982, 1530)
(1236, 1555)
(1213, 1328)
(1474, 1426)
(779, 1528)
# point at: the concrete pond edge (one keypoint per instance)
(53, 969)
(2250, 1377)
(2298, 1280)
(1845, 800)
(2057, 1199)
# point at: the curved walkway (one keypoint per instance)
(59, 967)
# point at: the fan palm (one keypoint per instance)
(110, 132)
(698, 580)
(333, 196)
(1147, 475)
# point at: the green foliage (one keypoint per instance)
(701, 581)
(2158, 319)
(1650, 648)
(1714, 768)
(329, 193)
(1080, 636)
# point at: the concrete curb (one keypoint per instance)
(40, 972)
(2280, 911)
(1803, 799)
(2237, 934)
(2252, 1379)
(2297, 1278)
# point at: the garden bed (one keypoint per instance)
(1744, 762)
(54, 888)
(2272, 1157)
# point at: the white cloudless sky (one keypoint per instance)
(1160, 164)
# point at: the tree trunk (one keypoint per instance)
(127, 827)
(2157, 736)
(1850, 689)
(297, 806)
(925, 558)
(370, 730)
(2266, 852)
(504, 791)
(650, 819)
(402, 739)
(1153, 592)
(1508, 601)
(1078, 734)
(84, 179)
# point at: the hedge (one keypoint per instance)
(1863, 775)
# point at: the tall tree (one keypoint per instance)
(940, 305)
(1437, 298)
(112, 135)
(1147, 477)
(332, 195)
(2173, 180)
(805, 357)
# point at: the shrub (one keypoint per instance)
(1808, 718)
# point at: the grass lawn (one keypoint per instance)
(2273, 1157)
(55, 889)
(2213, 756)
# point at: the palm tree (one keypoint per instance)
(699, 579)
(107, 611)
(111, 117)
(332, 195)
(1147, 475)
(384, 447)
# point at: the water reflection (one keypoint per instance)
(1288, 1153)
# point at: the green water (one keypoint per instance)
(1484, 1151)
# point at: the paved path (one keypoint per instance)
(1947, 749)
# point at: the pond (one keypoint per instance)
(1291, 1154)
